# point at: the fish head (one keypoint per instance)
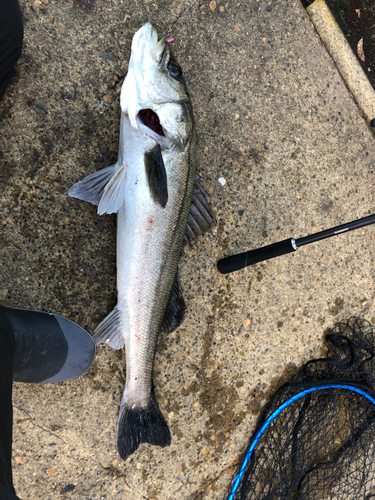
(154, 93)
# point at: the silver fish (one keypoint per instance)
(160, 205)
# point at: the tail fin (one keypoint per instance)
(141, 425)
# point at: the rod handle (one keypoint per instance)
(241, 260)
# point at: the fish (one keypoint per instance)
(160, 205)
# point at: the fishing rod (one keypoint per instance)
(241, 260)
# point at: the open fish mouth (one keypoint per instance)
(150, 120)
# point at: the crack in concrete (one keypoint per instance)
(366, 306)
(39, 426)
(230, 468)
(132, 489)
(180, 14)
(89, 459)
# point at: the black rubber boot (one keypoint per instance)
(11, 37)
(47, 347)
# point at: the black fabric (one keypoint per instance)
(6, 412)
(7, 495)
(11, 37)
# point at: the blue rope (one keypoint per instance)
(277, 412)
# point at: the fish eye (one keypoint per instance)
(174, 70)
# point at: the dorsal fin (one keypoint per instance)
(201, 217)
(175, 312)
(156, 176)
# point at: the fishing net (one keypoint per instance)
(315, 438)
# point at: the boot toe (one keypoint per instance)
(48, 347)
(81, 351)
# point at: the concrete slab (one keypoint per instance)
(275, 119)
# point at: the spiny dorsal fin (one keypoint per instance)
(201, 217)
(175, 312)
(156, 176)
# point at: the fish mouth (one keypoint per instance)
(146, 44)
(150, 119)
(155, 47)
(158, 49)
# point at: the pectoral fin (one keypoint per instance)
(156, 176)
(105, 188)
(201, 217)
(114, 194)
(91, 188)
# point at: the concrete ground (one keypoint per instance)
(275, 119)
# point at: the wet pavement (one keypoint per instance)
(276, 121)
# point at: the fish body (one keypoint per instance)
(149, 241)
(151, 188)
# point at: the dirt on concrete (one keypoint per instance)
(275, 120)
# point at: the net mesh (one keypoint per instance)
(315, 438)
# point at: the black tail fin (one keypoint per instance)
(141, 425)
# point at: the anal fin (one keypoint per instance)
(109, 330)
